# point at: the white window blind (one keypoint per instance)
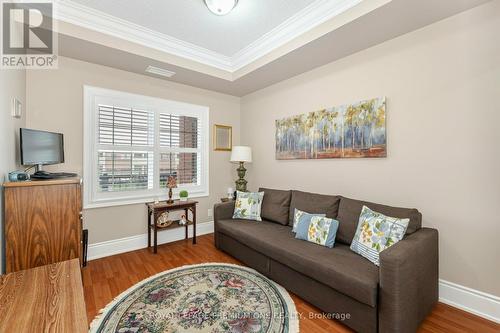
(134, 143)
(125, 127)
(125, 170)
(179, 137)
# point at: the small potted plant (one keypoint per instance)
(183, 195)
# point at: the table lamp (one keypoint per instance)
(171, 183)
(241, 154)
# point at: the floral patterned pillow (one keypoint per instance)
(248, 205)
(299, 215)
(319, 230)
(376, 232)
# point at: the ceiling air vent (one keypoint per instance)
(159, 71)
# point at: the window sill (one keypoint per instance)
(135, 201)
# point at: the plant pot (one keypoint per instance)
(183, 199)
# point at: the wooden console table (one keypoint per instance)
(156, 209)
(43, 299)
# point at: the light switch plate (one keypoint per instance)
(210, 212)
(17, 108)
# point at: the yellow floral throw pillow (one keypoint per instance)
(248, 206)
(376, 232)
(318, 229)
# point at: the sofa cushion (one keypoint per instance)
(276, 205)
(248, 205)
(350, 210)
(314, 204)
(376, 233)
(300, 216)
(318, 230)
(338, 268)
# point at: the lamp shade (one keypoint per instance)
(241, 154)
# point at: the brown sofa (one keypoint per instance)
(394, 297)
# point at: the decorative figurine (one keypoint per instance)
(171, 183)
(183, 220)
(163, 220)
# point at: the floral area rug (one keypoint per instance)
(209, 298)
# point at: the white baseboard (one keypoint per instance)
(117, 246)
(467, 299)
(470, 300)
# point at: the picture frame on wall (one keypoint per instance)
(356, 130)
(223, 138)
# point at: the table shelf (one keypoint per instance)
(174, 225)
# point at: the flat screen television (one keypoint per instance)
(41, 148)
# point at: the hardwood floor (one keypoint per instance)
(105, 278)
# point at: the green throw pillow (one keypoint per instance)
(248, 206)
(377, 232)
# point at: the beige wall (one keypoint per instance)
(442, 85)
(12, 84)
(55, 103)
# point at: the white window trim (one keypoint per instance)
(92, 96)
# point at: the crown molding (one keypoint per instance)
(310, 17)
(307, 19)
(92, 19)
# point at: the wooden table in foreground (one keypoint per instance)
(43, 299)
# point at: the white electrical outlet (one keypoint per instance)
(210, 212)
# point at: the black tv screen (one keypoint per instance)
(41, 148)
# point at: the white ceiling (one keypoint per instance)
(192, 22)
(117, 43)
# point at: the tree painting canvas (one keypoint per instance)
(355, 130)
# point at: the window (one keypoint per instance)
(133, 143)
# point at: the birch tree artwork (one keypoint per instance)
(355, 130)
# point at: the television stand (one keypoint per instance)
(43, 224)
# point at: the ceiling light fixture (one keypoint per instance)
(159, 71)
(221, 7)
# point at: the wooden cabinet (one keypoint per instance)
(42, 222)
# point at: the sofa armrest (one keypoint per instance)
(222, 211)
(409, 276)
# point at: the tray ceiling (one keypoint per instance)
(316, 32)
(192, 22)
